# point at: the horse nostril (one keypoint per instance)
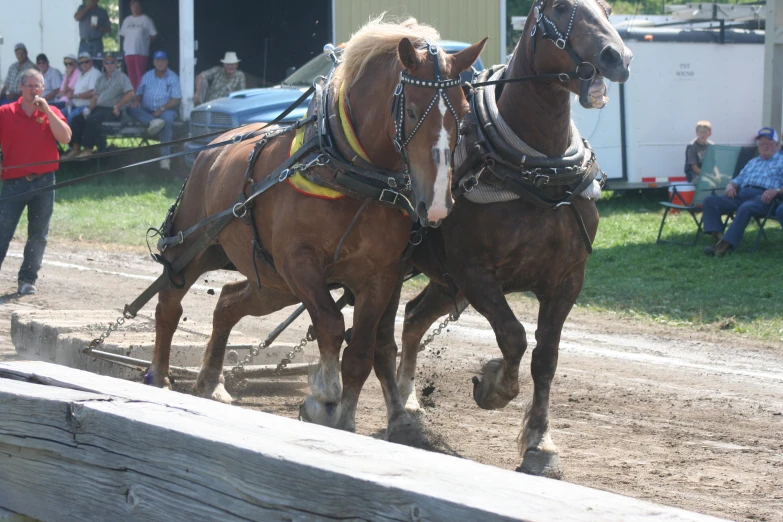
(421, 210)
(610, 57)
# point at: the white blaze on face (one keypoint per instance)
(441, 195)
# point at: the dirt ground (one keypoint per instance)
(685, 417)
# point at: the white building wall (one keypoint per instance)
(44, 26)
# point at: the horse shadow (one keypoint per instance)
(9, 297)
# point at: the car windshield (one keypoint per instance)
(304, 76)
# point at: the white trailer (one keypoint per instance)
(44, 26)
(678, 76)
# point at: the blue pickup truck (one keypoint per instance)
(263, 105)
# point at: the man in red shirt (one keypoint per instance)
(28, 130)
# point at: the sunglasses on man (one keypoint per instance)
(69, 64)
(109, 62)
(82, 62)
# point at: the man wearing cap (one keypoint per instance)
(52, 78)
(749, 194)
(220, 80)
(28, 130)
(10, 91)
(113, 91)
(93, 24)
(85, 86)
(157, 99)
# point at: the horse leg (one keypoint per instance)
(305, 277)
(499, 383)
(420, 313)
(373, 301)
(236, 301)
(540, 455)
(169, 310)
(400, 426)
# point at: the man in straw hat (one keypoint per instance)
(220, 80)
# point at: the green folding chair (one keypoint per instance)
(717, 171)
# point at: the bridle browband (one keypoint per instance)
(398, 105)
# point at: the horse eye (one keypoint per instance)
(561, 8)
(411, 114)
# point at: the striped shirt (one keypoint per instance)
(762, 173)
(156, 92)
(52, 80)
(15, 76)
(110, 89)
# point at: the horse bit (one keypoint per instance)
(398, 102)
(560, 40)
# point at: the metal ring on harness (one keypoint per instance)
(560, 43)
(237, 138)
(238, 206)
(564, 77)
(284, 175)
(591, 68)
(416, 238)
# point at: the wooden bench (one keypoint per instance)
(131, 129)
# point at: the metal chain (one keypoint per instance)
(285, 361)
(437, 331)
(98, 342)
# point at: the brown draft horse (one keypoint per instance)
(302, 233)
(494, 249)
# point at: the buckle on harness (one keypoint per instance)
(469, 183)
(564, 77)
(284, 175)
(390, 199)
(560, 43)
(541, 179)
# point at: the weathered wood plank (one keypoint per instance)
(87, 447)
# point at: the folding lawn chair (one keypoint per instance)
(717, 171)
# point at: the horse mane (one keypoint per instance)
(378, 40)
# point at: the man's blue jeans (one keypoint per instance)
(746, 204)
(39, 213)
(145, 116)
(75, 111)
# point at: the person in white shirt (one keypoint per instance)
(85, 85)
(138, 30)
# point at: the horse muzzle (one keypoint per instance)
(615, 63)
(432, 216)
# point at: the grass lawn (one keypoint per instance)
(628, 272)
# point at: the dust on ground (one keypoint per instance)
(686, 417)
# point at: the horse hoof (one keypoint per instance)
(220, 394)
(152, 378)
(325, 414)
(413, 407)
(407, 432)
(541, 464)
(486, 397)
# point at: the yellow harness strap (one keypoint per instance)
(299, 182)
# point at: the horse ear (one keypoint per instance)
(409, 56)
(464, 59)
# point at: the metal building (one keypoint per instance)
(270, 36)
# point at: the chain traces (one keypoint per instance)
(437, 331)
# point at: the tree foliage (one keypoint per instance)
(111, 41)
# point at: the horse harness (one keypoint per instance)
(319, 159)
(536, 180)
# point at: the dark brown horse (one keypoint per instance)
(489, 250)
(301, 234)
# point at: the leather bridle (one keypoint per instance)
(398, 105)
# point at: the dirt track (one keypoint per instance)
(687, 418)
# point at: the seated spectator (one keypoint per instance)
(53, 78)
(85, 86)
(749, 194)
(113, 91)
(64, 99)
(694, 153)
(220, 80)
(137, 30)
(10, 91)
(157, 98)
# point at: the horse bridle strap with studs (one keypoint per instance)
(398, 103)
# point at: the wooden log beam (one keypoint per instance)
(78, 446)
